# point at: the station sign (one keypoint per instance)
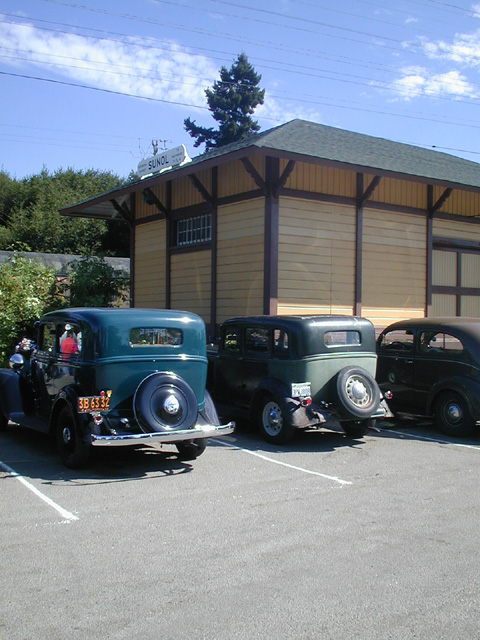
(165, 160)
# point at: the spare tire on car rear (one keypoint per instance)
(165, 402)
(357, 392)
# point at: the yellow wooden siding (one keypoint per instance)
(470, 306)
(457, 230)
(461, 203)
(398, 192)
(394, 266)
(149, 275)
(316, 267)
(444, 305)
(233, 178)
(444, 272)
(191, 283)
(470, 270)
(318, 179)
(240, 230)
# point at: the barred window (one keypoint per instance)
(194, 230)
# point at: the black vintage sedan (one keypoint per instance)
(432, 368)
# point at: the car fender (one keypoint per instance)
(69, 395)
(277, 389)
(468, 388)
(10, 396)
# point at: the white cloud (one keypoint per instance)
(419, 81)
(135, 66)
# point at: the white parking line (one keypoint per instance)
(417, 437)
(63, 512)
(283, 464)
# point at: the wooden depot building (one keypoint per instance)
(305, 219)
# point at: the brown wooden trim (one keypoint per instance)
(429, 274)
(459, 283)
(240, 197)
(271, 239)
(213, 257)
(168, 240)
(453, 244)
(460, 291)
(132, 252)
(123, 211)
(358, 246)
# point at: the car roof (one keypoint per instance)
(466, 326)
(101, 316)
(332, 322)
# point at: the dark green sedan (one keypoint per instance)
(113, 377)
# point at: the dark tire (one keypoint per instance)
(73, 451)
(358, 428)
(191, 450)
(271, 422)
(165, 402)
(452, 415)
(357, 392)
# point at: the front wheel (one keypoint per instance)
(452, 415)
(192, 449)
(73, 451)
(358, 428)
(272, 424)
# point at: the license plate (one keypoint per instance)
(301, 389)
(87, 404)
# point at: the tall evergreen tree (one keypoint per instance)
(232, 100)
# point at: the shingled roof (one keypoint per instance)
(318, 141)
(309, 141)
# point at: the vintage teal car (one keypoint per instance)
(112, 377)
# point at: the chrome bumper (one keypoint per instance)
(164, 437)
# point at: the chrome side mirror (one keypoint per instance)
(17, 362)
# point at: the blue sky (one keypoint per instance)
(89, 84)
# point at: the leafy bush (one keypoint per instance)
(95, 283)
(27, 291)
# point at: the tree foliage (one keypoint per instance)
(27, 291)
(232, 101)
(93, 282)
(30, 219)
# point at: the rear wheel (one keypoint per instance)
(357, 392)
(191, 450)
(452, 415)
(358, 428)
(272, 424)
(73, 451)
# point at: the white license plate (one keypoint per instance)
(301, 389)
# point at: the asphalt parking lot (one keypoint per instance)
(326, 538)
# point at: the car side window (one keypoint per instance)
(231, 340)
(256, 340)
(397, 340)
(70, 338)
(439, 342)
(280, 343)
(47, 341)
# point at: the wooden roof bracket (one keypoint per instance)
(150, 198)
(433, 208)
(201, 189)
(273, 189)
(123, 211)
(362, 198)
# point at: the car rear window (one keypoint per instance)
(341, 338)
(155, 336)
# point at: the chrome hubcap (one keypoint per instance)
(454, 413)
(272, 418)
(357, 392)
(67, 436)
(171, 405)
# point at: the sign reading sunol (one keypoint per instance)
(165, 160)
